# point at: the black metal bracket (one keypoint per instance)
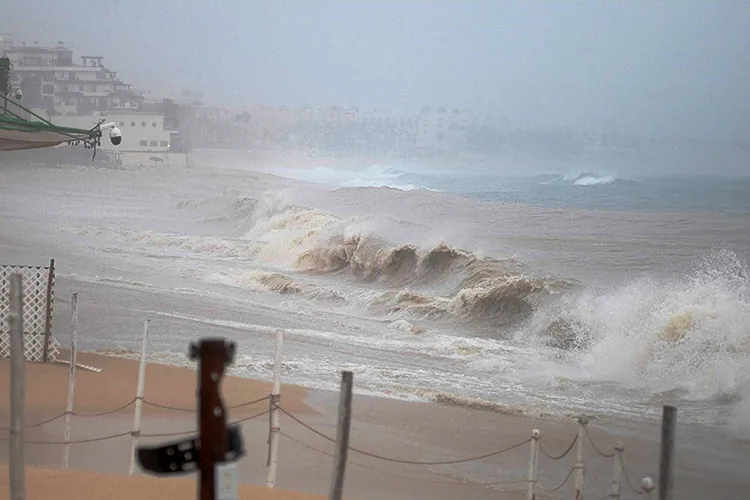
(183, 457)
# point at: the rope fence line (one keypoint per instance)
(194, 410)
(129, 404)
(561, 456)
(137, 433)
(647, 486)
(637, 491)
(402, 461)
(452, 481)
(597, 449)
(560, 486)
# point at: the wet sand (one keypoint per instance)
(391, 428)
(84, 485)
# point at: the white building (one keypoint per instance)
(81, 95)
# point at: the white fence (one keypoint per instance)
(39, 289)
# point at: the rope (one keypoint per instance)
(637, 491)
(366, 467)
(191, 431)
(409, 462)
(168, 434)
(52, 419)
(38, 424)
(552, 490)
(79, 441)
(596, 448)
(193, 410)
(454, 481)
(558, 457)
(105, 412)
(264, 412)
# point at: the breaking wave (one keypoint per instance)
(688, 336)
(579, 178)
(439, 282)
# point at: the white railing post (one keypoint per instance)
(273, 437)
(139, 398)
(16, 468)
(617, 470)
(533, 460)
(71, 380)
(580, 466)
(648, 486)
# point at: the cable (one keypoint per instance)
(558, 457)
(567, 478)
(596, 448)
(410, 462)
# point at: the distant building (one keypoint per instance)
(82, 94)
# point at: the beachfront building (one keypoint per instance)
(80, 93)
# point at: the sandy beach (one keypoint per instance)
(84, 485)
(393, 428)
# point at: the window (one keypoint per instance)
(164, 144)
(154, 143)
(132, 124)
(122, 124)
(153, 124)
(143, 143)
(143, 124)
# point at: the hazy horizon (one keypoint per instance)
(672, 69)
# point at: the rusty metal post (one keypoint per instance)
(213, 356)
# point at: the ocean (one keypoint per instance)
(547, 293)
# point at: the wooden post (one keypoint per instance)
(273, 437)
(342, 437)
(580, 467)
(48, 317)
(617, 471)
(17, 389)
(533, 461)
(666, 467)
(139, 397)
(71, 380)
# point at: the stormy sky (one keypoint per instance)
(676, 68)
